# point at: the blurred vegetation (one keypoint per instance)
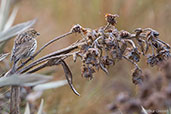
(56, 17)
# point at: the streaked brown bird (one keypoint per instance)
(25, 45)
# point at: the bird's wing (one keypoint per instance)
(22, 50)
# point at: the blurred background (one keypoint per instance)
(55, 17)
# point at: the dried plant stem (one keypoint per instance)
(53, 55)
(15, 100)
(108, 24)
(164, 43)
(134, 36)
(15, 95)
(38, 68)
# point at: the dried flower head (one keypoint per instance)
(111, 19)
(76, 28)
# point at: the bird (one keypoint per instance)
(25, 45)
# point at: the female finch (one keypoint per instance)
(25, 45)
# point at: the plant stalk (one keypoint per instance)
(15, 100)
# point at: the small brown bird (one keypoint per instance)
(25, 45)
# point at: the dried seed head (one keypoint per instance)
(124, 34)
(137, 76)
(152, 32)
(138, 31)
(76, 28)
(134, 55)
(152, 60)
(87, 71)
(111, 19)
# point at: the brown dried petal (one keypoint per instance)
(138, 31)
(91, 57)
(116, 53)
(137, 76)
(110, 18)
(76, 28)
(124, 34)
(84, 48)
(134, 55)
(140, 43)
(87, 72)
(123, 48)
(106, 60)
(151, 32)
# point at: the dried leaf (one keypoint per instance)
(87, 71)
(152, 60)
(68, 76)
(134, 55)
(140, 43)
(137, 76)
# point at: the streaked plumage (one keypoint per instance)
(25, 45)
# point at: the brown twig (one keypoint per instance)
(15, 100)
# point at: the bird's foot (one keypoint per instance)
(31, 57)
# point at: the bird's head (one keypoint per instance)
(32, 32)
